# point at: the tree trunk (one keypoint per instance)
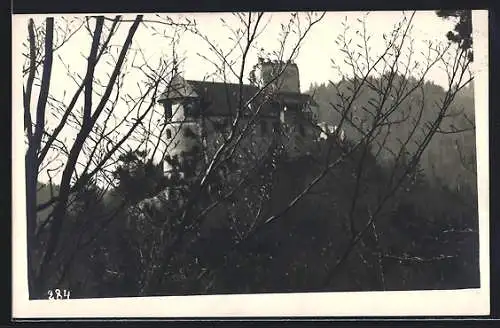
(31, 214)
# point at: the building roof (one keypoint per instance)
(221, 98)
(294, 97)
(178, 88)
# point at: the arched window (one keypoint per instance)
(167, 106)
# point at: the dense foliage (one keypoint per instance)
(450, 157)
(424, 237)
(462, 33)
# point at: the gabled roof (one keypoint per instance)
(178, 88)
(219, 98)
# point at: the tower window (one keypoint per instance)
(169, 134)
(167, 105)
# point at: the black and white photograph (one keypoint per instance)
(250, 164)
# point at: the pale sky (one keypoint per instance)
(313, 59)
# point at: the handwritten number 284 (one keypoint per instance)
(57, 294)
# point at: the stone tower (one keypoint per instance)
(182, 107)
(268, 72)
